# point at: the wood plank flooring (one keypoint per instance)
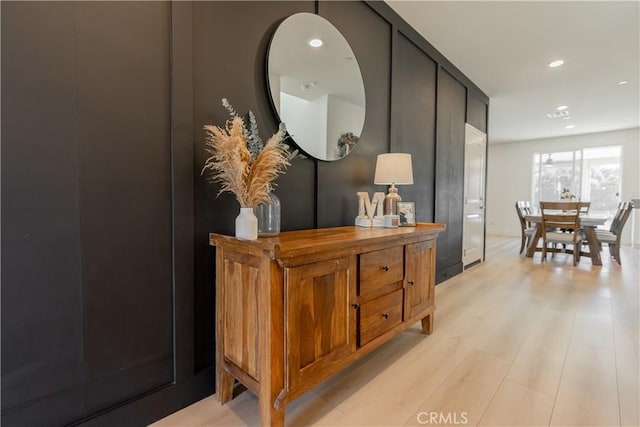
(516, 342)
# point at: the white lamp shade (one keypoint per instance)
(393, 168)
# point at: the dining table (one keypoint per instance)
(588, 223)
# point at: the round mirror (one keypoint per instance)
(316, 86)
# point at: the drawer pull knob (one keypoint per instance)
(385, 268)
(385, 315)
(355, 305)
(411, 282)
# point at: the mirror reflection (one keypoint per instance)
(316, 86)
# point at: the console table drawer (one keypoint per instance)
(379, 269)
(380, 315)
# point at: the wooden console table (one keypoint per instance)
(294, 309)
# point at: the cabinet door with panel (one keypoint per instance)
(320, 319)
(419, 281)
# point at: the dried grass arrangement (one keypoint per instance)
(241, 163)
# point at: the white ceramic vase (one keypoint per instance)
(246, 225)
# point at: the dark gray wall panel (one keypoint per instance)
(230, 47)
(477, 111)
(183, 179)
(87, 277)
(42, 344)
(124, 148)
(339, 181)
(450, 174)
(414, 118)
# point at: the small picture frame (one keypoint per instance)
(407, 214)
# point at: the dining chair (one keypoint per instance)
(612, 237)
(525, 206)
(622, 206)
(584, 207)
(527, 229)
(558, 216)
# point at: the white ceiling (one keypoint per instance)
(504, 47)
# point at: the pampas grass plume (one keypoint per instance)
(231, 165)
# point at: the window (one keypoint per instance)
(591, 174)
(603, 176)
(553, 172)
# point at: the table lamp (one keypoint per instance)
(393, 169)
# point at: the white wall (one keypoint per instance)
(306, 122)
(509, 173)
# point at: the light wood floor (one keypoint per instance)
(516, 343)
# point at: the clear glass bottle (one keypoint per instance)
(268, 214)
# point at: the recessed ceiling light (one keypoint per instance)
(623, 82)
(557, 114)
(556, 63)
(315, 42)
(570, 126)
(562, 107)
(566, 118)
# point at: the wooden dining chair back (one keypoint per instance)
(612, 238)
(558, 216)
(584, 207)
(622, 207)
(525, 206)
(527, 230)
(626, 213)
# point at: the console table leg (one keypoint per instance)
(270, 416)
(427, 324)
(224, 385)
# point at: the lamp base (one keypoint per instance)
(391, 201)
(391, 221)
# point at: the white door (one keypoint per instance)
(474, 173)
